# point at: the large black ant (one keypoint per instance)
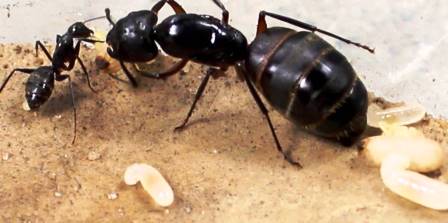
(301, 75)
(40, 83)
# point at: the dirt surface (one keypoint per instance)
(223, 168)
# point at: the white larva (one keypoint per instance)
(152, 182)
(425, 155)
(400, 115)
(400, 151)
(25, 106)
(413, 186)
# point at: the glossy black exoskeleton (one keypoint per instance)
(40, 83)
(301, 76)
(308, 80)
(202, 39)
(199, 38)
(66, 53)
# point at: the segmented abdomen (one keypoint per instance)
(39, 87)
(309, 82)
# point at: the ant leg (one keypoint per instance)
(128, 74)
(116, 78)
(74, 108)
(262, 27)
(174, 5)
(72, 64)
(23, 70)
(41, 45)
(61, 77)
(72, 60)
(163, 74)
(108, 17)
(225, 13)
(240, 69)
(196, 98)
(91, 40)
(123, 67)
(86, 73)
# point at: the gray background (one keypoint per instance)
(410, 37)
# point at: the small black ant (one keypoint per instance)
(301, 75)
(40, 83)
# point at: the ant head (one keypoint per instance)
(130, 39)
(79, 30)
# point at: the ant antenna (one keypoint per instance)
(93, 19)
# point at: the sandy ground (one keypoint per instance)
(223, 168)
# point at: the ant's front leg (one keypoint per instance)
(123, 67)
(286, 154)
(72, 63)
(128, 74)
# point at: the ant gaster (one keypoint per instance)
(40, 83)
(301, 75)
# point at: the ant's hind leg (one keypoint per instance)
(23, 70)
(286, 154)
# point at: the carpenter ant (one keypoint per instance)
(133, 39)
(301, 75)
(40, 83)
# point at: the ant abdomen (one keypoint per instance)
(39, 87)
(348, 121)
(309, 82)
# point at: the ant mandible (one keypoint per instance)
(40, 83)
